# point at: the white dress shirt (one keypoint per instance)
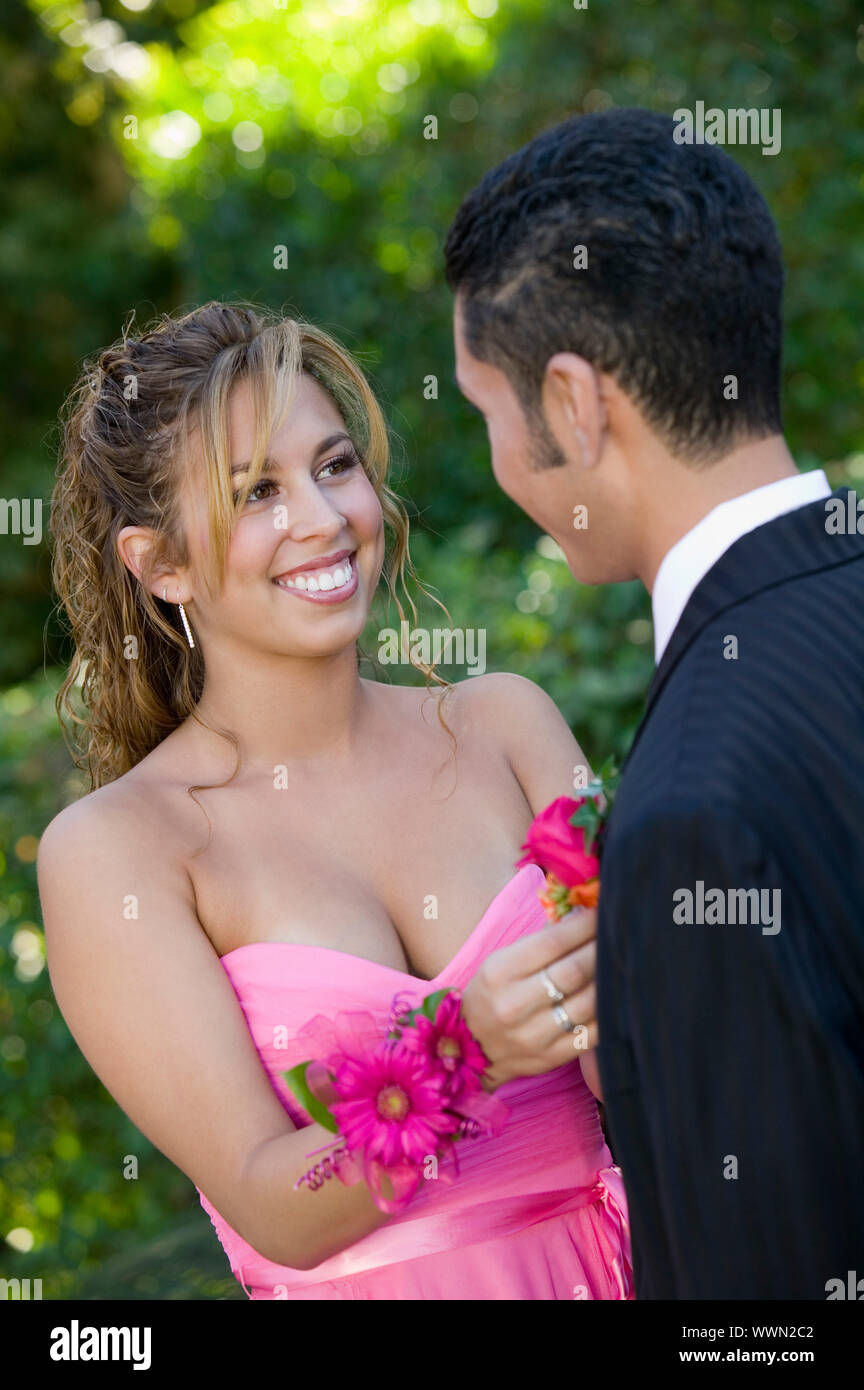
(691, 558)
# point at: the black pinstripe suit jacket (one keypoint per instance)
(732, 1052)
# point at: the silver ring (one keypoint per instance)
(563, 1019)
(554, 994)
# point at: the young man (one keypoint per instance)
(618, 323)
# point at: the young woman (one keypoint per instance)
(266, 832)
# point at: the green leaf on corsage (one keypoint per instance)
(296, 1079)
(589, 816)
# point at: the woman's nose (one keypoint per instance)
(309, 512)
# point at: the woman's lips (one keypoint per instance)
(334, 584)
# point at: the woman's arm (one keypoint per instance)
(143, 993)
(544, 757)
(531, 729)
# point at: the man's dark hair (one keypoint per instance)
(682, 288)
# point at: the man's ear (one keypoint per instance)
(574, 406)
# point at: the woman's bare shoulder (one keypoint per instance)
(521, 722)
(491, 690)
(496, 701)
(137, 815)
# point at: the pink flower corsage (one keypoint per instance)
(399, 1102)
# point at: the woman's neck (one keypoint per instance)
(297, 711)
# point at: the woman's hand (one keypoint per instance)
(510, 1013)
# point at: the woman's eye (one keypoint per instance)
(253, 492)
(342, 464)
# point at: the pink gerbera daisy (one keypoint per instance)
(390, 1105)
(447, 1042)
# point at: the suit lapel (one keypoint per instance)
(793, 544)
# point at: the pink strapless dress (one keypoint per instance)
(537, 1211)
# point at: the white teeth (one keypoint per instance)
(324, 580)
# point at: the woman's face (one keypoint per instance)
(307, 550)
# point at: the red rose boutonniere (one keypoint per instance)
(563, 841)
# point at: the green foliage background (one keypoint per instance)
(133, 179)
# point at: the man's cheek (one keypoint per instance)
(511, 478)
(498, 470)
(501, 453)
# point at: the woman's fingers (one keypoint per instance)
(581, 1010)
(543, 1043)
(570, 975)
(542, 1029)
(530, 954)
(574, 971)
(509, 1009)
(558, 1047)
(571, 1045)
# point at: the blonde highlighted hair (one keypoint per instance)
(128, 427)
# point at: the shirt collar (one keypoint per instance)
(690, 559)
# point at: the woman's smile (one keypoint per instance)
(330, 579)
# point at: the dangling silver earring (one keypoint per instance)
(189, 638)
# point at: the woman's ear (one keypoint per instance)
(133, 545)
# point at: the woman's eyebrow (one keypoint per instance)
(270, 464)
